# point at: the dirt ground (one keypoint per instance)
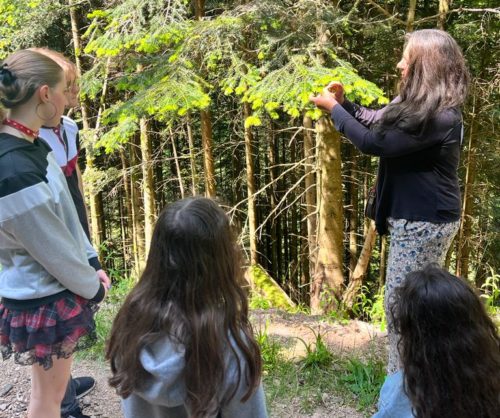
(355, 338)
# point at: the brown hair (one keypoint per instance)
(66, 64)
(191, 290)
(437, 79)
(22, 73)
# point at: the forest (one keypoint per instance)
(211, 98)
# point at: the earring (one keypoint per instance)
(43, 117)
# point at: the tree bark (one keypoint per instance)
(359, 273)
(128, 233)
(137, 219)
(208, 159)
(444, 7)
(252, 216)
(328, 276)
(192, 157)
(275, 239)
(177, 165)
(199, 9)
(353, 215)
(410, 19)
(310, 197)
(147, 183)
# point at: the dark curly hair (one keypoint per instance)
(191, 290)
(449, 347)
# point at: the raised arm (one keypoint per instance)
(394, 142)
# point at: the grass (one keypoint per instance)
(309, 381)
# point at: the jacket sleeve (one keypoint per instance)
(91, 253)
(394, 143)
(367, 117)
(37, 228)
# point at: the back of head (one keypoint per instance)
(191, 290)
(437, 79)
(22, 73)
(449, 346)
(68, 66)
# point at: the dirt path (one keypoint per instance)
(352, 337)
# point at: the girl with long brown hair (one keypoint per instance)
(181, 344)
(418, 139)
(48, 287)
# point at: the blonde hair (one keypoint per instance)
(67, 65)
(22, 73)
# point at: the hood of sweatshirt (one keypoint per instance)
(164, 361)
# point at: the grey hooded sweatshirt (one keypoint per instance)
(164, 393)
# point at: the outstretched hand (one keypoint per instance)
(332, 95)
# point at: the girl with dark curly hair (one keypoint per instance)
(182, 345)
(449, 348)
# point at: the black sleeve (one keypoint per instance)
(393, 143)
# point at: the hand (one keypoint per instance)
(326, 100)
(337, 89)
(104, 279)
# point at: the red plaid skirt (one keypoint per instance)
(56, 329)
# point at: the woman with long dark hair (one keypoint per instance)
(418, 138)
(181, 344)
(450, 351)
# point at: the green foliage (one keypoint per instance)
(370, 307)
(317, 355)
(290, 87)
(270, 350)
(364, 380)
(491, 292)
(26, 23)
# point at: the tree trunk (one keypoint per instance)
(444, 7)
(137, 219)
(272, 196)
(294, 233)
(206, 126)
(353, 215)
(199, 9)
(177, 165)
(128, 209)
(192, 157)
(465, 231)
(208, 159)
(252, 216)
(147, 183)
(359, 273)
(310, 197)
(328, 276)
(410, 19)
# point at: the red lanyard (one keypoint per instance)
(20, 127)
(57, 131)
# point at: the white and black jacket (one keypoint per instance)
(44, 251)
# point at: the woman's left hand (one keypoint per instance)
(326, 100)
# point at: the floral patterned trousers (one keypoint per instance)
(413, 245)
